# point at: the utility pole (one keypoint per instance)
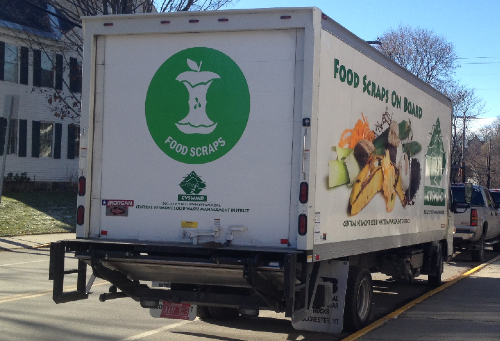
(463, 151)
(488, 164)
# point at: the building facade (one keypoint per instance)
(40, 85)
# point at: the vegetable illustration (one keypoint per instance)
(371, 164)
(412, 148)
(353, 168)
(379, 175)
(388, 182)
(338, 173)
(362, 152)
(368, 183)
(360, 131)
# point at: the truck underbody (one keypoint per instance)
(236, 278)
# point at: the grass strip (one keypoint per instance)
(37, 213)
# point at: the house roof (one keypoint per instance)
(35, 16)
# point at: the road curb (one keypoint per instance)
(39, 246)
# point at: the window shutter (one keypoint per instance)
(23, 138)
(35, 139)
(71, 141)
(37, 68)
(75, 76)
(59, 72)
(72, 74)
(3, 128)
(2, 60)
(57, 143)
(24, 69)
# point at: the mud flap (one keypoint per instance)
(330, 289)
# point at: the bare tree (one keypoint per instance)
(420, 51)
(467, 107)
(486, 161)
(189, 5)
(62, 19)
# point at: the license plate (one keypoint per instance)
(177, 311)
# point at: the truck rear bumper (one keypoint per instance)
(187, 271)
(459, 237)
(267, 276)
(465, 234)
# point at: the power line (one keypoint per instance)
(476, 57)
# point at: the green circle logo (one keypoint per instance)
(197, 105)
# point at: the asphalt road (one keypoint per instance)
(27, 311)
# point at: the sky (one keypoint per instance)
(472, 26)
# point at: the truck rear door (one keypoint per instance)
(193, 137)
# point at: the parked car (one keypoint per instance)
(477, 220)
(495, 194)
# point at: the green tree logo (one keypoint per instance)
(436, 156)
(197, 105)
(192, 184)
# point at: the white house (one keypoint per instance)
(43, 139)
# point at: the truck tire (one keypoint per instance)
(223, 313)
(435, 280)
(477, 255)
(358, 301)
(496, 247)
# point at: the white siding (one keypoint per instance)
(34, 106)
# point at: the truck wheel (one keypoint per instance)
(223, 313)
(358, 301)
(477, 255)
(203, 313)
(496, 247)
(435, 280)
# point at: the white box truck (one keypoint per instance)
(254, 159)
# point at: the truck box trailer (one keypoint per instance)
(254, 159)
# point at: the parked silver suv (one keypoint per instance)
(477, 220)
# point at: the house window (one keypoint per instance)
(43, 69)
(46, 138)
(47, 76)
(12, 145)
(75, 75)
(11, 61)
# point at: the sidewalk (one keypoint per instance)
(32, 241)
(467, 310)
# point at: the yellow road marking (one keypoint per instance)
(418, 300)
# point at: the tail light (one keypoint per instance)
(302, 224)
(81, 186)
(80, 215)
(473, 217)
(304, 192)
